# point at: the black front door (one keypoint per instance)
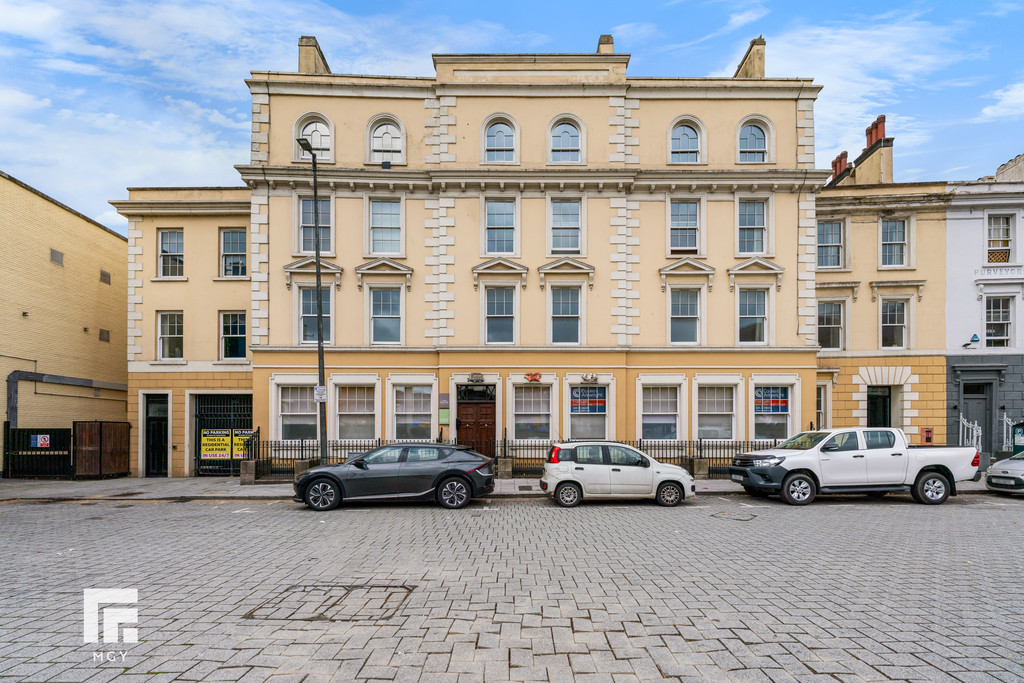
(879, 406)
(156, 435)
(978, 408)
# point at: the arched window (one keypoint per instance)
(501, 142)
(685, 144)
(319, 135)
(386, 142)
(565, 142)
(752, 143)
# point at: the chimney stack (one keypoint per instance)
(605, 45)
(311, 58)
(876, 131)
(752, 64)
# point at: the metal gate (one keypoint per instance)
(220, 412)
(38, 453)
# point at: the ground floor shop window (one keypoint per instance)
(356, 417)
(715, 412)
(532, 412)
(660, 413)
(298, 413)
(771, 412)
(412, 412)
(588, 412)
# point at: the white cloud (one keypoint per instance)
(863, 66)
(1009, 104)
(636, 32)
(736, 20)
(12, 101)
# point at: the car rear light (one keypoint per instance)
(486, 463)
(554, 455)
(977, 459)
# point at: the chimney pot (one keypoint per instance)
(605, 44)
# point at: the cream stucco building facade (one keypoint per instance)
(527, 247)
(62, 339)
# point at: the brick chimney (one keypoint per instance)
(874, 165)
(311, 58)
(605, 45)
(752, 64)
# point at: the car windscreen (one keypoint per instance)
(803, 441)
(1019, 456)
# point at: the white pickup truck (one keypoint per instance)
(872, 461)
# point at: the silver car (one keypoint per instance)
(1006, 476)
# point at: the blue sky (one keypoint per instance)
(100, 95)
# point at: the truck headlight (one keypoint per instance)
(768, 462)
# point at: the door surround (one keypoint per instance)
(141, 445)
(458, 378)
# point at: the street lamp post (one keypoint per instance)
(320, 394)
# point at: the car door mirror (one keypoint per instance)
(644, 462)
(361, 464)
(830, 447)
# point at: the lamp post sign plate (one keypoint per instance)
(320, 394)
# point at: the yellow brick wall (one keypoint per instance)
(47, 308)
(177, 383)
(927, 380)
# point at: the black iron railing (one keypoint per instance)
(702, 457)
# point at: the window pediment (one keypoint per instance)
(566, 266)
(307, 266)
(383, 266)
(852, 285)
(890, 284)
(687, 267)
(756, 266)
(499, 266)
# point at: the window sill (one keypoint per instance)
(177, 278)
(232, 278)
(377, 164)
(767, 162)
(169, 361)
(386, 344)
(499, 163)
(692, 163)
(989, 264)
(567, 163)
(897, 267)
(752, 254)
(309, 162)
(386, 255)
(833, 269)
(685, 254)
(311, 254)
(232, 361)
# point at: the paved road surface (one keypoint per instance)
(722, 588)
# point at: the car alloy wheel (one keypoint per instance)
(454, 493)
(568, 495)
(322, 494)
(669, 495)
(798, 489)
(931, 488)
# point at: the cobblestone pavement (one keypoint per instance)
(719, 588)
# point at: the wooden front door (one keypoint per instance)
(475, 425)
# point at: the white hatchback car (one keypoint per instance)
(602, 469)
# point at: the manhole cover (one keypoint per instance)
(735, 516)
(334, 602)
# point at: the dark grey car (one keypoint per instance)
(447, 473)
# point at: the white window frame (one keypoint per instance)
(368, 251)
(826, 409)
(702, 328)
(677, 381)
(698, 125)
(843, 232)
(244, 253)
(517, 140)
(582, 199)
(298, 155)
(220, 335)
(908, 318)
(548, 379)
(702, 233)
(515, 286)
(769, 138)
(605, 379)
(580, 127)
(1012, 323)
(844, 329)
(368, 307)
(160, 254)
(769, 313)
(297, 288)
(910, 234)
(734, 380)
(405, 380)
(371, 126)
(160, 336)
(789, 380)
(516, 229)
(769, 225)
(1014, 256)
(582, 287)
(297, 251)
(348, 380)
